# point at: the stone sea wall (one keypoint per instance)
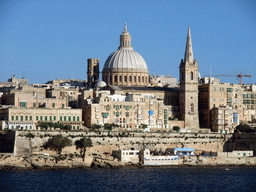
(108, 141)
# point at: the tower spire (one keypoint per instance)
(189, 51)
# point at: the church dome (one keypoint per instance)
(125, 59)
(125, 67)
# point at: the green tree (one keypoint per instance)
(144, 126)
(44, 125)
(68, 127)
(244, 128)
(57, 143)
(82, 144)
(177, 128)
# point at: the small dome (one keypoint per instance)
(100, 84)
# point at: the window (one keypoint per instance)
(39, 104)
(114, 106)
(45, 118)
(114, 113)
(120, 78)
(53, 105)
(23, 104)
(12, 117)
(191, 76)
(130, 78)
(77, 127)
(63, 105)
(115, 79)
(34, 104)
(134, 79)
(65, 118)
(21, 118)
(125, 78)
(17, 118)
(54, 118)
(26, 118)
(142, 79)
(37, 118)
(192, 107)
(139, 79)
(77, 118)
(74, 118)
(69, 118)
(30, 118)
(60, 118)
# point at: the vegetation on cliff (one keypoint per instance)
(82, 144)
(57, 143)
(244, 128)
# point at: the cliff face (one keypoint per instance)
(108, 141)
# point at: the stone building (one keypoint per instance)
(125, 72)
(216, 97)
(29, 97)
(189, 88)
(129, 111)
(29, 118)
(93, 72)
(125, 66)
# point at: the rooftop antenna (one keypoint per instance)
(72, 74)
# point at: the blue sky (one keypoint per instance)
(50, 39)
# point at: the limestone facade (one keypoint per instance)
(237, 99)
(129, 111)
(93, 71)
(189, 88)
(28, 119)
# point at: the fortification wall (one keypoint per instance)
(108, 141)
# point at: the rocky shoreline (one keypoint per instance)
(94, 161)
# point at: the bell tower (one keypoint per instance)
(188, 95)
(93, 72)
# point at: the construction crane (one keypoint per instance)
(239, 76)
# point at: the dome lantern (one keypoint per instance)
(125, 39)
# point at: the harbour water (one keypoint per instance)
(176, 178)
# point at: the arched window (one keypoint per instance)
(115, 79)
(139, 79)
(94, 69)
(134, 79)
(125, 78)
(130, 78)
(120, 78)
(192, 107)
(191, 75)
(142, 79)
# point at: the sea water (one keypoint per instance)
(226, 178)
